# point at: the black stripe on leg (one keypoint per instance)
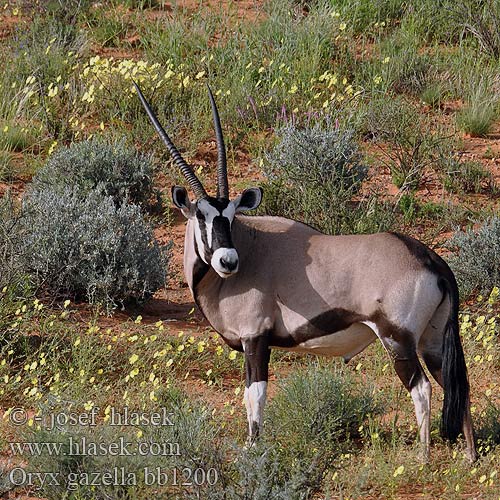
(409, 371)
(257, 354)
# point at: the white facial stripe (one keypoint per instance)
(229, 212)
(209, 212)
(199, 243)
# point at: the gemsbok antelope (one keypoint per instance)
(265, 282)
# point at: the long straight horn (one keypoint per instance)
(190, 176)
(222, 182)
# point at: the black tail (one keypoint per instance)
(455, 382)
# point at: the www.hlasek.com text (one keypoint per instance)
(75, 446)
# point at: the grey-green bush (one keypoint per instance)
(476, 263)
(313, 175)
(9, 264)
(89, 248)
(311, 419)
(14, 284)
(118, 171)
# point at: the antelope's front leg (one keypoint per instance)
(257, 354)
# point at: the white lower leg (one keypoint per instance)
(421, 396)
(255, 398)
(469, 436)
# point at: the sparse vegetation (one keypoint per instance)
(478, 254)
(357, 116)
(467, 177)
(313, 175)
(407, 145)
(477, 118)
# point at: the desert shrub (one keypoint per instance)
(8, 221)
(406, 144)
(297, 448)
(328, 408)
(107, 24)
(89, 248)
(489, 429)
(467, 177)
(433, 94)
(313, 175)
(477, 258)
(119, 171)
(481, 20)
(14, 284)
(42, 49)
(408, 70)
(330, 155)
(477, 117)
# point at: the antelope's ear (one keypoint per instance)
(248, 200)
(181, 200)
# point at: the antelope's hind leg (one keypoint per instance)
(257, 354)
(400, 345)
(431, 350)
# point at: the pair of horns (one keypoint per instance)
(194, 182)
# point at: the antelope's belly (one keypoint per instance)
(345, 343)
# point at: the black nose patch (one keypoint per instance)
(229, 265)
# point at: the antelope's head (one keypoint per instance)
(212, 216)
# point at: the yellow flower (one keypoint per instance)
(399, 471)
(342, 26)
(133, 358)
(52, 147)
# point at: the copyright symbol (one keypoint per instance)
(18, 416)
